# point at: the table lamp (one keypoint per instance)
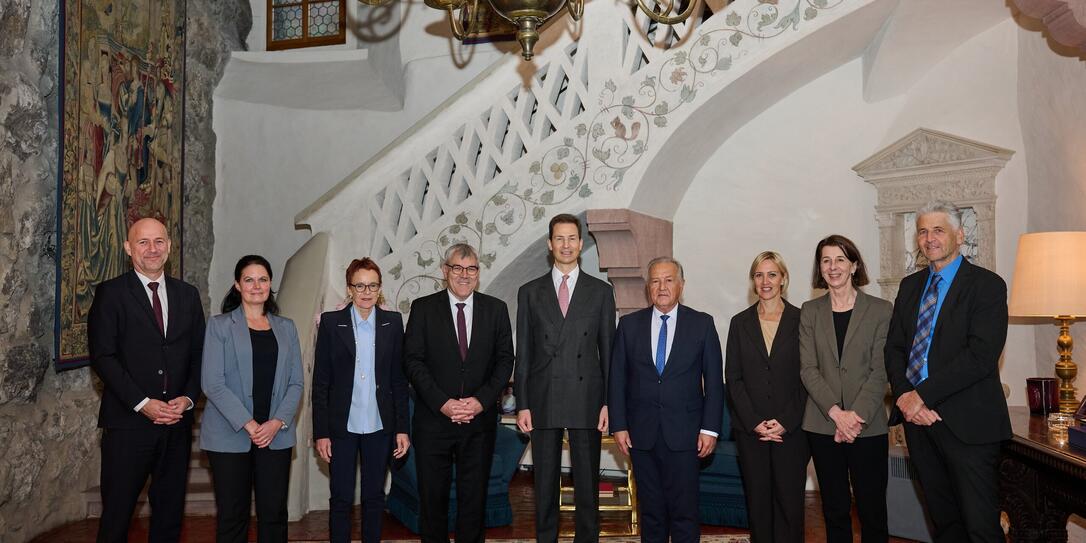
(1050, 282)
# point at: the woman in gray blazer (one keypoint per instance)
(252, 376)
(841, 337)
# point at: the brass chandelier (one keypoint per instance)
(528, 15)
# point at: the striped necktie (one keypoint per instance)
(925, 324)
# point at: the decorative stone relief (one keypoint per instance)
(1065, 20)
(929, 165)
(627, 241)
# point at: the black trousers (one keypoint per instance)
(584, 452)
(128, 458)
(372, 452)
(235, 477)
(960, 483)
(436, 454)
(863, 464)
(667, 491)
(774, 478)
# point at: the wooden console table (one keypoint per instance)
(1042, 480)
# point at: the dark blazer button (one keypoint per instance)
(578, 355)
(586, 333)
(580, 378)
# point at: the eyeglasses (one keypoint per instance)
(364, 287)
(463, 270)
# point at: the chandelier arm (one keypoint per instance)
(575, 8)
(663, 18)
(454, 21)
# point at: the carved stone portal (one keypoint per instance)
(928, 165)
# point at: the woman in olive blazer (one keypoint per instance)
(252, 376)
(841, 340)
(767, 400)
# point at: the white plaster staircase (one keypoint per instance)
(527, 140)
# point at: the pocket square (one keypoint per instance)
(385, 323)
(344, 325)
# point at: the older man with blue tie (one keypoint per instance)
(666, 401)
(942, 360)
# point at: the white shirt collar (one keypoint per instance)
(556, 276)
(145, 280)
(671, 314)
(468, 302)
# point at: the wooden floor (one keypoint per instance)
(314, 526)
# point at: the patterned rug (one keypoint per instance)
(704, 539)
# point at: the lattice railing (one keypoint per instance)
(527, 140)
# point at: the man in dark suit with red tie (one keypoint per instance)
(942, 360)
(666, 403)
(565, 325)
(458, 355)
(146, 334)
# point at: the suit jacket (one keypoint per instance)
(333, 372)
(562, 362)
(676, 405)
(133, 358)
(855, 380)
(761, 385)
(227, 380)
(436, 372)
(963, 361)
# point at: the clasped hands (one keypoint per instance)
(167, 413)
(915, 411)
(262, 434)
(462, 410)
(849, 425)
(770, 430)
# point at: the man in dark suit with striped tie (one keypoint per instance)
(146, 336)
(565, 323)
(942, 360)
(666, 403)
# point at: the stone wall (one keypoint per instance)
(48, 435)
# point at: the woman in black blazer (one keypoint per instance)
(767, 400)
(359, 400)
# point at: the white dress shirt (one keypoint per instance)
(469, 305)
(161, 297)
(165, 301)
(556, 277)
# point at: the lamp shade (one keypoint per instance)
(1050, 275)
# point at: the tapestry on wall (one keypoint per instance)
(122, 103)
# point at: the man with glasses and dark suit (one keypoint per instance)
(458, 355)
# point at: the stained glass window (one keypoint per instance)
(305, 23)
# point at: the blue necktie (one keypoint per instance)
(925, 323)
(661, 345)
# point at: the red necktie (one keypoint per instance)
(563, 295)
(462, 330)
(156, 304)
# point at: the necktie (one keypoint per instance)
(925, 322)
(563, 295)
(661, 345)
(156, 305)
(462, 330)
